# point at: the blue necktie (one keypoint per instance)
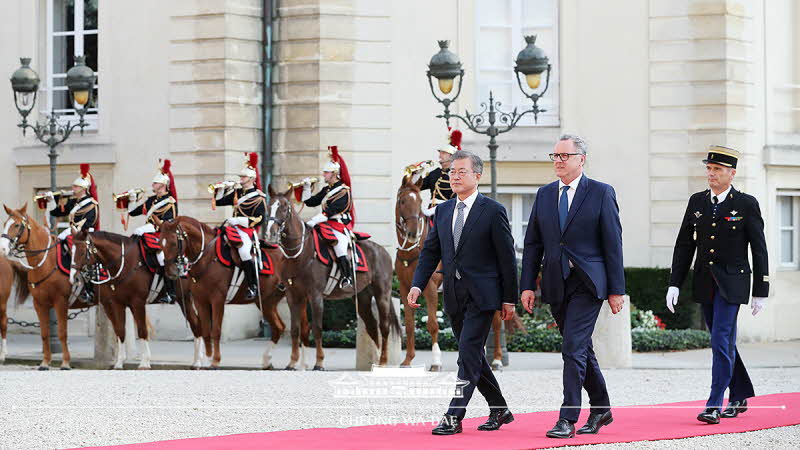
(563, 211)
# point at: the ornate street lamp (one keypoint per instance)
(25, 84)
(446, 67)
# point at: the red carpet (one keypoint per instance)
(654, 422)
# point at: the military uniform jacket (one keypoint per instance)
(164, 207)
(335, 201)
(721, 243)
(77, 210)
(438, 182)
(250, 203)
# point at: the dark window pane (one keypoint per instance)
(63, 53)
(90, 15)
(63, 15)
(90, 50)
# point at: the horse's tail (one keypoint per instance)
(22, 290)
(515, 325)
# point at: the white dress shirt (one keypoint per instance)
(721, 197)
(469, 201)
(571, 192)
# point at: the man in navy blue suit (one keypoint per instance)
(472, 238)
(574, 237)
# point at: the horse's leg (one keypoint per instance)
(187, 307)
(276, 325)
(317, 310)
(384, 302)
(43, 313)
(217, 312)
(204, 318)
(497, 323)
(62, 312)
(3, 332)
(297, 309)
(364, 307)
(140, 317)
(432, 302)
(116, 313)
(408, 318)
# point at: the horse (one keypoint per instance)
(126, 285)
(10, 272)
(50, 288)
(412, 229)
(190, 249)
(306, 277)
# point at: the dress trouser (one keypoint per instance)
(576, 316)
(727, 368)
(471, 327)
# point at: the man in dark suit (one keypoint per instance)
(472, 238)
(719, 224)
(574, 237)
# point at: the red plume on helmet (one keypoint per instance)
(252, 162)
(166, 169)
(92, 190)
(344, 175)
(455, 139)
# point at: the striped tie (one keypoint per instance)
(459, 227)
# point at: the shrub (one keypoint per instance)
(647, 288)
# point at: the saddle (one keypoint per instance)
(225, 245)
(64, 258)
(148, 253)
(323, 248)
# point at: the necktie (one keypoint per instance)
(458, 228)
(563, 211)
(715, 202)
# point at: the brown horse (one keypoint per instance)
(411, 226)
(189, 249)
(10, 272)
(305, 278)
(50, 288)
(127, 286)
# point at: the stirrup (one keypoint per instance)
(346, 283)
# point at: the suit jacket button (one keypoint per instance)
(734, 227)
(741, 271)
(711, 263)
(714, 224)
(712, 250)
(712, 236)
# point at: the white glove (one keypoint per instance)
(757, 304)
(132, 196)
(415, 177)
(51, 200)
(306, 190)
(319, 218)
(241, 221)
(307, 181)
(429, 212)
(672, 298)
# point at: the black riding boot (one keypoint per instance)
(346, 281)
(87, 294)
(169, 292)
(251, 278)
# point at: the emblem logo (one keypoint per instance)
(697, 214)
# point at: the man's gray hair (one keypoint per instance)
(477, 162)
(580, 144)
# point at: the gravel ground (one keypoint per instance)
(81, 408)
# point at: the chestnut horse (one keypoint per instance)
(305, 278)
(412, 229)
(22, 235)
(190, 249)
(10, 272)
(126, 286)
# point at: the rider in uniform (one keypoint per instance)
(438, 180)
(159, 207)
(82, 211)
(337, 210)
(249, 208)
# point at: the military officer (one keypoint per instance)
(159, 207)
(249, 208)
(438, 180)
(719, 225)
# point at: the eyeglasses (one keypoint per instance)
(562, 156)
(460, 173)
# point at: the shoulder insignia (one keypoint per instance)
(734, 212)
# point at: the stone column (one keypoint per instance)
(332, 82)
(105, 341)
(612, 337)
(701, 78)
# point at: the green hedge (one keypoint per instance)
(647, 288)
(545, 340)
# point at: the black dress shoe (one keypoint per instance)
(710, 415)
(564, 429)
(596, 421)
(497, 418)
(449, 425)
(734, 409)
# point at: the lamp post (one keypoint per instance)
(531, 62)
(25, 84)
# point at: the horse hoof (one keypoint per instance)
(66, 368)
(142, 368)
(320, 368)
(42, 368)
(213, 368)
(289, 368)
(435, 368)
(497, 367)
(269, 367)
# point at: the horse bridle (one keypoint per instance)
(181, 261)
(92, 271)
(298, 249)
(17, 248)
(401, 225)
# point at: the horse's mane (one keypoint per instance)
(206, 227)
(113, 237)
(406, 184)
